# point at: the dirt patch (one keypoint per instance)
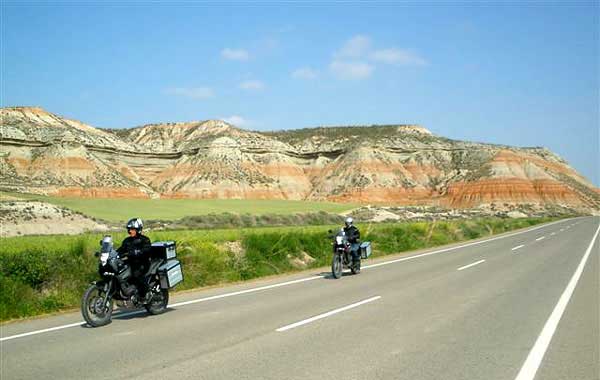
(39, 218)
(237, 252)
(384, 215)
(236, 248)
(516, 214)
(302, 261)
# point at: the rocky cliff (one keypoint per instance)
(399, 164)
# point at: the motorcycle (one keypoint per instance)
(342, 256)
(164, 272)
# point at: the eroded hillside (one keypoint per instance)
(399, 164)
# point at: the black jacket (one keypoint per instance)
(352, 233)
(137, 249)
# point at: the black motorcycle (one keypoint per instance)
(342, 256)
(163, 273)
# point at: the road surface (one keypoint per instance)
(523, 305)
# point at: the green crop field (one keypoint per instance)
(116, 210)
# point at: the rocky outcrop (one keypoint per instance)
(398, 164)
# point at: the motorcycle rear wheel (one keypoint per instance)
(336, 266)
(94, 313)
(158, 303)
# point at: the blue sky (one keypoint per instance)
(523, 75)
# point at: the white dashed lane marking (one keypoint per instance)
(471, 265)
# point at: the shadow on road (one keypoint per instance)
(128, 314)
(329, 276)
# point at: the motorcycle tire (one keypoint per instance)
(94, 313)
(336, 266)
(158, 303)
(355, 268)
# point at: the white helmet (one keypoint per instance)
(349, 221)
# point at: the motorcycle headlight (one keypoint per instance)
(339, 240)
(104, 258)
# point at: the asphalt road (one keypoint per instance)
(518, 306)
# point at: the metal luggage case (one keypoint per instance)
(365, 249)
(170, 274)
(164, 250)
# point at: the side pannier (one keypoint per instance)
(170, 274)
(365, 249)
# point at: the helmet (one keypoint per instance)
(349, 221)
(136, 224)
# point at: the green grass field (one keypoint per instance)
(118, 210)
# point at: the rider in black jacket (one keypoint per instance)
(353, 236)
(136, 248)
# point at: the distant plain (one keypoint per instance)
(115, 210)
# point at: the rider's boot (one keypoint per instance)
(356, 266)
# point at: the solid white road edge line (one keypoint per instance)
(534, 359)
(42, 331)
(126, 314)
(540, 238)
(325, 315)
(288, 282)
(245, 291)
(173, 305)
(518, 247)
(471, 265)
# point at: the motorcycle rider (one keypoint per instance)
(353, 235)
(136, 248)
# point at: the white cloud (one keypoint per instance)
(355, 47)
(237, 120)
(351, 70)
(191, 92)
(398, 56)
(235, 54)
(252, 85)
(305, 73)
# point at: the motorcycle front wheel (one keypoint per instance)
(336, 266)
(93, 309)
(158, 303)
